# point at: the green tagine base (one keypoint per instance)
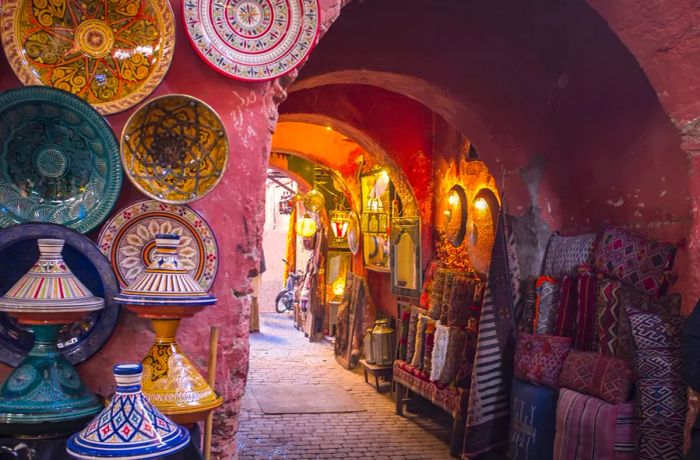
(44, 395)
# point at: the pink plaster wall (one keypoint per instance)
(249, 111)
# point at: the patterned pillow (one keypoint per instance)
(429, 343)
(607, 378)
(586, 337)
(565, 253)
(455, 351)
(526, 314)
(661, 391)
(588, 428)
(419, 348)
(539, 358)
(546, 304)
(635, 260)
(412, 328)
(532, 423)
(466, 364)
(567, 310)
(405, 319)
(461, 300)
(436, 292)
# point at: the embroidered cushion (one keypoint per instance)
(567, 311)
(532, 424)
(429, 343)
(661, 391)
(419, 347)
(604, 377)
(546, 304)
(526, 314)
(461, 300)
(565, 253)
(412, 328)
(404, 321)
(590, 429)
(586, 337)
(539, 358)
(437, 288)
(635, 260)
(466, 364)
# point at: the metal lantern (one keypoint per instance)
(368, 346)
(285, 204)
(340, 223)
(306, 226)
(382, 343)
(314, 201)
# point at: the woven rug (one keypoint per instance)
(489, 398)
(303, 399)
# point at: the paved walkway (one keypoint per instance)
(280, 353)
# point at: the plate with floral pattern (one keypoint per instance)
(129, 240)
(112, 54)
(252, 40)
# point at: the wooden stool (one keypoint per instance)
(377, 371)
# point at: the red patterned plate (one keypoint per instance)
(252, 40)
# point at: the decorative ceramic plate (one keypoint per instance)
(110, 53)
(59, 160)
(175, 149)
(252, 40)
(78, 341)
(129, 240)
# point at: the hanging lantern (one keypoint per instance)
(314, 201)
(339, 224)
(338, 287)
(374, 204)
(306, 226)
(285, 204)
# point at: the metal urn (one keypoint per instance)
(383, 343)
(368, 346)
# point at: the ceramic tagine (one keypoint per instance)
(129, 427)
(165, 293)
(44, 395)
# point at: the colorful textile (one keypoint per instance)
(565, 253)
(441, 343)
(540, 358)
(546, 304)
(586, 337)
(419, 349)
(604, 377)
(436, 291)
(403, 330)
(567, 309)
(635, 260)
(587, 429)
(412, 332)
(608, 316)
(489, 398)
(662, 393)
(532, 426)
(461, 300)
(450, 399)
(465, 366)
(526, 316)
(429, 343)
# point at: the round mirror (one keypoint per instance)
(455, 215)
(482, 215)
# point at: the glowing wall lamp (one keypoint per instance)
(339, 224)
(306, 226)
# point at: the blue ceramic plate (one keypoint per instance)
(59, 160)
(79, 341)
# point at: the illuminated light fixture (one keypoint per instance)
(339, 224)
(328, 128)
(384, 175)
(480, 204)
(453, 199)
(338, 287)
(314, 201)
(374, 204)
(448, 214)
(306, 226)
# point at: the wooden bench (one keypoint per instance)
(452, 400)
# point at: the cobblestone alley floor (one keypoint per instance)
(280, 353)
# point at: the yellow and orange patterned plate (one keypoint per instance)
(111, 53)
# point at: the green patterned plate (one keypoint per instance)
(59, 160)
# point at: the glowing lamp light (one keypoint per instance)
(480, 204)
(338, 287)
(374, 204)
(453, 199)
(314, 201)
(306, 226)
(448, 214)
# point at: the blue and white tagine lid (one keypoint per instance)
(165, 281)
(129, 427)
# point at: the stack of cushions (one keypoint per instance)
(606, 301)
(533, 415)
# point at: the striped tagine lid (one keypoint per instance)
(130, 426)
(165, 281)
(49, 286)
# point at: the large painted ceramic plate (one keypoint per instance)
(175, 149)
(59, 160)
(129, 240)
(78, 341)
(110, 53)
(252, 40)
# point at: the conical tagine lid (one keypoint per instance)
(129, 427)
(165, 282)
(49, 286)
